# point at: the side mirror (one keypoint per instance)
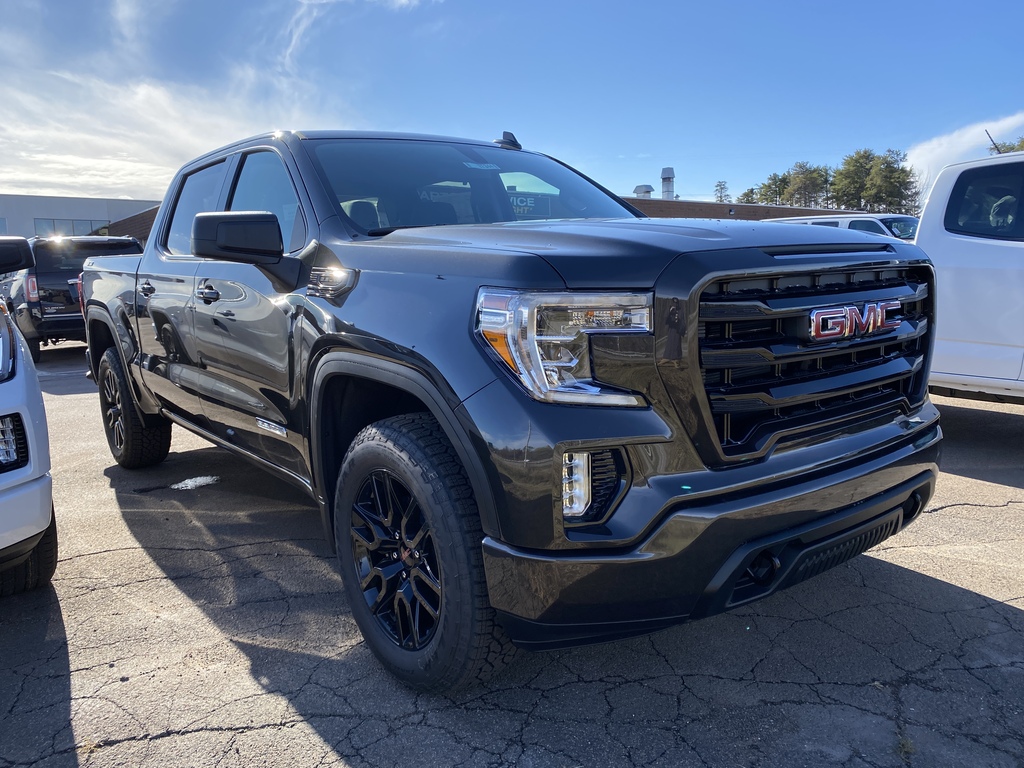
(247, 237)
(15, 254)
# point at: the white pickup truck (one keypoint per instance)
(971, 229)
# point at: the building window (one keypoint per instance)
(69, 227)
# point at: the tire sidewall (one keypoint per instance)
(448, 648)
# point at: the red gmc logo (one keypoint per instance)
(838, 323)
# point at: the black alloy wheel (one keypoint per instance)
(396, 561)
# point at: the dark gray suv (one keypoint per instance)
(43, 299)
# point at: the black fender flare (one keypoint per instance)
(101, 314)
(415, 383)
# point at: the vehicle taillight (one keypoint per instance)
(32, 288)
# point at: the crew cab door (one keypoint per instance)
(165, 298)
(979, 262)
(244, 321)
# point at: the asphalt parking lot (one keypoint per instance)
(196, 619)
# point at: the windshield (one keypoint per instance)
(903, 227)
(391, 183)
(69, 255)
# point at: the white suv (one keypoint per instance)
(974, 235)
(887, 224)
(28, 529)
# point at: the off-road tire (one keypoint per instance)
(133, 442)
(410, 458)
(37, 569)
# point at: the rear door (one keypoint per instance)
(165, 298)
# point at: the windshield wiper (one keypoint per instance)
(380, 231)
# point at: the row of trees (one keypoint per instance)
(866, 181)
(998, 147)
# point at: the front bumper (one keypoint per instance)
(709, 557)
(25, 513)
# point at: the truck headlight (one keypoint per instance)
(543, 339)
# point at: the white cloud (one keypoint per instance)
(96, 137)
(99, 126)
(967, 143)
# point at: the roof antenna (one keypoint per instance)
(994, 145)
(508, 141)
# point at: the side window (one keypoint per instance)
(984, 202)
(264, 185)
(866, 225)
(825, 223)
(199, 194)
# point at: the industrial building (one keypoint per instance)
(29, 215)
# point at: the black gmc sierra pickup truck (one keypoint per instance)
(528, 415)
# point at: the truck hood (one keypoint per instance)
(622, 253)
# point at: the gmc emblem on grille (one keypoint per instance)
(837, 323)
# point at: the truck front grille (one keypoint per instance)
(767, 382)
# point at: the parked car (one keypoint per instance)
(972, 229)
(899, 226)
(527, 413)
(28, 528)
(44, 299)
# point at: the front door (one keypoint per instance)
(244, 325)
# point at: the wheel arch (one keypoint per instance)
(101, 333)
(364, 390)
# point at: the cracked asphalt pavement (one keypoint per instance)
(196, 619)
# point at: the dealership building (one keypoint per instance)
(29, 215)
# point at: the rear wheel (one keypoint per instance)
(408, 536)
(133, 443)
(38, 569)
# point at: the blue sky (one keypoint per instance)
(108, 97)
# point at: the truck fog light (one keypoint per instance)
(575, 484)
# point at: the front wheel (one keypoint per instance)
(409, 542)
(133, 443)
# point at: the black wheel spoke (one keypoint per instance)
(427, 593)
(372, 525)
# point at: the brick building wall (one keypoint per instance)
(657, 208)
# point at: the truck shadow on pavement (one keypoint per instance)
(35, 681)
(982, 442)
(868, 664)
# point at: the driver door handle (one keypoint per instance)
(208, 293)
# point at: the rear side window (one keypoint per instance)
(825, 223)
(68, 255)
(984, 202)
(199, 194)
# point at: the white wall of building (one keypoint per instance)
(18, 213)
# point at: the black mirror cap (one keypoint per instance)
(248, 237)
(15, 254)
